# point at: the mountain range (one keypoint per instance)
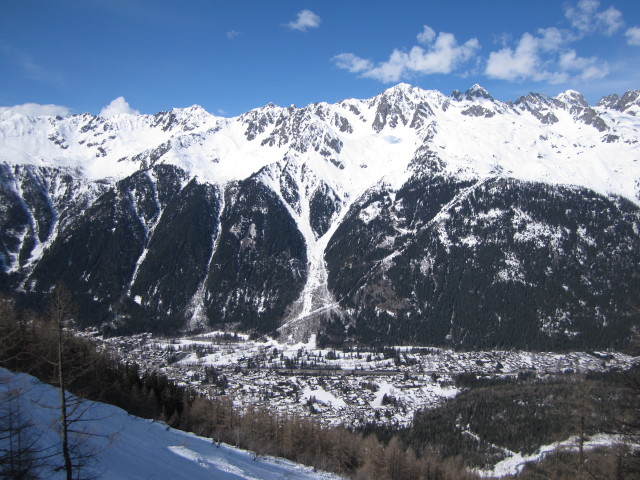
(410, 217)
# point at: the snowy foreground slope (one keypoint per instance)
(421, 217)
(130, 447)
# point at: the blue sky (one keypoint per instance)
(74, 56)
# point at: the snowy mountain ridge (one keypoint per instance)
(289, 218)
(464, 129)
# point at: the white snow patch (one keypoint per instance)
(322, 396)
(370, 212)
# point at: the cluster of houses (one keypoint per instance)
(352, 386)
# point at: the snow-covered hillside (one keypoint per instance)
(129, 447)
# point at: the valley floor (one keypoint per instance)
(351, 387)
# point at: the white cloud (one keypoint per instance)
(551, 39)
(231, 34)
(518, 64)
(391, 70)
(427, 35)
(116, 107)
(587, 68)
(633, 36)
(610, 20)
(306, 19)
(503, 39)
(442, 54)
(38, 110)
(582, 14)
(586, 18)
(352, 63)
(544, 57)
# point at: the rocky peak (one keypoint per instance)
(572, 98)
(193, 117)
(609, 101)
(540, 106)
(476, 91)
(580, 109)
(259, 119)
(628, 101)
(192, 110)
(401, 89)
(456, 95)
(399, 105)
(538, 100)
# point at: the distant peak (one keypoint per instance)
(400, 88)
(535, 99)
(476, 91)
(630, 96)
(609, 101)
(191, 109)
(267, 107)
(629, 100)
(572, 97)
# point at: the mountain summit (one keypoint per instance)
(411, 216)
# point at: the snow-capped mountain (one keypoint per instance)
(410, 216)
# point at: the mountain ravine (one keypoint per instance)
(412, 217)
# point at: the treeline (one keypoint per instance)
(28, 343)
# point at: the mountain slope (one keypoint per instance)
(493, 262)
(411, 215)
(130, 447)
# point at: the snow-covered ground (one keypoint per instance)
(129, 447)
